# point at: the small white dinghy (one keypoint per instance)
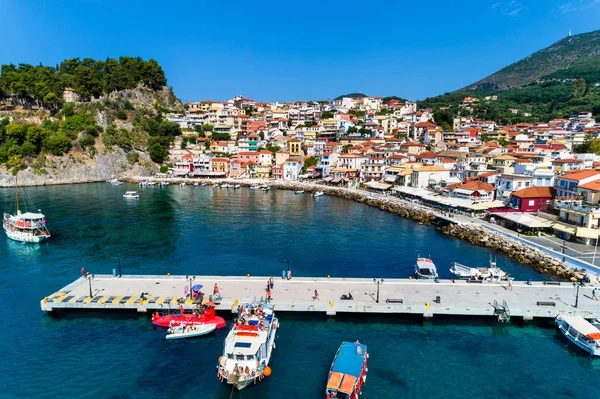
(318, 194)
(189, 331)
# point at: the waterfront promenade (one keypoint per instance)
(396, 296)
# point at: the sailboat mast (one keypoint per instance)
(17, 189)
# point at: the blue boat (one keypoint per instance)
(348, 371)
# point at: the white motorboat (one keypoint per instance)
(425, 269)
(265, 188)
(143, 183)
(164, 183)
(318, 194)
(491, 273)
(189, 331)
(151, 183)
(25, 227)
(249, 346)
(580, 332)
(237, 186)
(196, 184)
(300, 192)
(182, 184)
(131, 195)
(254, 188)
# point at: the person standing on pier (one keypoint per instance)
(316, 295)
(594, 297)
(82, 272)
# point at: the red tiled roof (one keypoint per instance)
(534, 192)
(580, 175)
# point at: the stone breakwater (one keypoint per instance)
(517, 251)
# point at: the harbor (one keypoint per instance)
(150, 293)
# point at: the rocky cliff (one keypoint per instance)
(78, 168)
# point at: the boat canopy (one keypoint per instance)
(583, 327)
(348, 384)
(335, 379)
(31, 216)
(349, 359)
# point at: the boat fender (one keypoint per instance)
(267, 371)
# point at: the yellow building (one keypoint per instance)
(263, 171)
(295, 148)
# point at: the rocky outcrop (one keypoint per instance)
(146, 97)
(78, 168)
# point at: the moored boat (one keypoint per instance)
(237, 186)
(254, 188)
(318, 194)
(206, 316)
(425, 269)
(189, 331)
(580, 332)
(248, 346)
(182, 184)
(25, 227)
(300, 192)
(164, 183)
(492, 273)
(131, 195)
(348, 371)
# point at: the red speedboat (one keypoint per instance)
(175, 319)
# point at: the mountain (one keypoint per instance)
(579, 50)
(351, 95)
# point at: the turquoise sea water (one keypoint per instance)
(186, 230)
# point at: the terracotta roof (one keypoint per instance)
(567, 161)
(534, 192)
(473, 185)
(594, 185)
(580, 175)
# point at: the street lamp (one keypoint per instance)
(378, 282)
(288, 261)
(190, 279)
(577, 295)
(90, 277)
(564, 245)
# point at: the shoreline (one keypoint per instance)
(475, 233)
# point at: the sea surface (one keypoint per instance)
(206, 231)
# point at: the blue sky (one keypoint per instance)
(288, 51)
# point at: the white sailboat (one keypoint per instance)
(25, 227)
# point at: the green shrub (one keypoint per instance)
(57, 144)
(133, 157)
(121, 115)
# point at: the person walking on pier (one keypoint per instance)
(594, 297)
(316, 295)
(82, 272)
(510, 280)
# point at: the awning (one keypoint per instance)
(487, 205)
(585, 232)
(565, 228)
(463, 191)
(524, 219)
(390, 179)
(330, 178)
(379, 186)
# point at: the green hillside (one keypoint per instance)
(563, 54)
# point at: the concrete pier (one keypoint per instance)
(396, 296)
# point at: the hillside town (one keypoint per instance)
(527, 176)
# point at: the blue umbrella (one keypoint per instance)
(197, 287)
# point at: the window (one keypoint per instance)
(531, 202)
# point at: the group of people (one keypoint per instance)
(246, 313)
(244, 373)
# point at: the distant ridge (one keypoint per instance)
(567, 52)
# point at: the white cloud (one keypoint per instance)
(512, 8)
(495, 5)
(577, 6)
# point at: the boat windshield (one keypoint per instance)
(425, 271)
